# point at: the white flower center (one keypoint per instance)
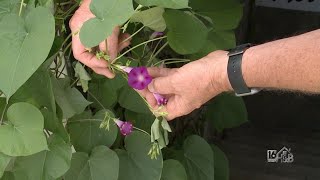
(140, 78)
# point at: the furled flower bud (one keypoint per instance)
(156, 34)
(125, 127)
(160, 99)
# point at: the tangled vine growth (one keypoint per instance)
(60, 120)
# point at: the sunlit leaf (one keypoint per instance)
(24, 46)
(23, 134)
(151, 18)
(49, 164)
(109, 14)
(187, 34)
(173, 4)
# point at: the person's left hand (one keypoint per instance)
(112, 45)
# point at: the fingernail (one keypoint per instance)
(150, 87)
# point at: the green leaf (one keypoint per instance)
(173, 169)
(173, 4)
(82, 74)
(49, 164)
(221, 164)
(151, 18)
(217, 40)
(109, 14)
(104, 91)
(8, 176)
(24, 46)
(85, 131)
(7, 7)
(198, 159)
(135, 163)
(23, 135)
(130, 99)
(225, 14)
(70, 100)
(102, 164)
(4, 161)
(187, 37)
(227, 111)
(42, 98)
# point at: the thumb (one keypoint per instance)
(161, 85)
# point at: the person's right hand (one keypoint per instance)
(112, 45)
(189, 87)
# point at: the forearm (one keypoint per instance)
(290, 64)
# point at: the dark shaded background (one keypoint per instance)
(277, 119)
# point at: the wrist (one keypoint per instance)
(218, 62)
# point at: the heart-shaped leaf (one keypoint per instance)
(135, 162)
(151, 18)
(23, 135)
(227, 111)
(48, 165)
(43, 99)
(102, 164)
(130, 99)
(85, 131)
(24, 46)
(198, 158)
(82, 74)
(225, 14)
(221, 164)
(7, 7)
(173, 4)
(70, 100)
(187, 37)
(4, 161)
(173, 169)
(109, 14)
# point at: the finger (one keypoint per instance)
(124, 41)
(148, 96)
(161, 85)
(103, 46)
(104, 72)
(112, 43)
(160, 72)
(81, 54)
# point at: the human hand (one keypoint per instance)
(112, 45)
(190, 86)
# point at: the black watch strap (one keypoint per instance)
(235, 71)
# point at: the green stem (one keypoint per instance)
(156, 54)
(146, 42)
(4, 110)
(173, 61)
(21, 5)
(141, 130)
(132, 35)
(154, 50)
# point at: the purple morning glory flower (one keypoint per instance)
(139, 78)
(160, 99)
(124, 126)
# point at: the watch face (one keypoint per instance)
(305, 5)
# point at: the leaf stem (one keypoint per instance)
(174, 60)
(141, 130)
(132, 35)
(2, 115)
(156, 54)
(146, 42)
(21, 5)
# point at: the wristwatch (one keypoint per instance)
(235, 72)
